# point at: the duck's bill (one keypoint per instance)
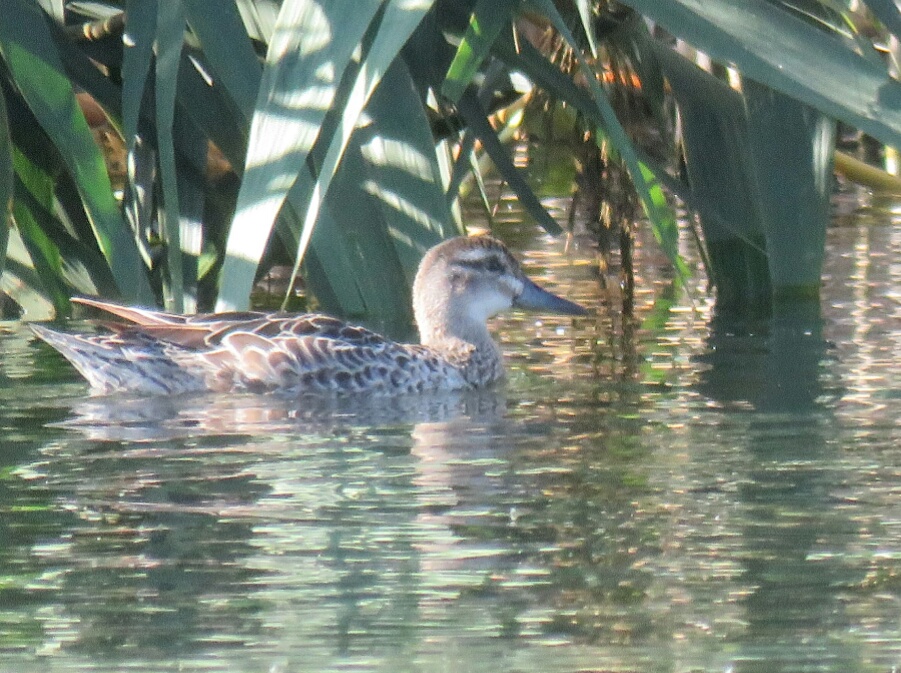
(534, 298)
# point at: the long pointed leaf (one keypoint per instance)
(400, 19)
(310, 49)
(789, 55)
(227, 47)
(6, 181)
(22, 283)
(31, 210)
(137, 59)
(182, 238)
(31, 56)
(488, 19)
(470, 108)
(402, 173)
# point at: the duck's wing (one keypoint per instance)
(310, 352)
(249, 351)
(319, 363)
(206, 330)
(209, 332)
(137, 316)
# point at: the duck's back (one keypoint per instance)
(162, 353)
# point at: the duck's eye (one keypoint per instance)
(494, 265)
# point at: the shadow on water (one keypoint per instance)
(791, 550)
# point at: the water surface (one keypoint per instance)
(669, 493)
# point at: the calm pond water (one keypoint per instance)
(665, 494)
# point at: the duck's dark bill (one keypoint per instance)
(535, 298)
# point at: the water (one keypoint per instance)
(668, 494)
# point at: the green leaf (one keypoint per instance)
(776, 48)
(401, 172)
(792, 150)
(718, 153)
(6, 181)
(182, 237)
(397, 23)
(260, 18)
(309, 52)
(212, 109)
(585, 16)
(137, 59)
(488, 19)
(23, 284)
(30, 54)
(31, 212)
(227, 48)
(661, 219)
(470, 108)
(667, 230)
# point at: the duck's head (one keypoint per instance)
(463, 282)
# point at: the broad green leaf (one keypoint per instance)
(260, 18)
(401, 171)
(718, 153)
(32, 209)
(331, 270)
(792, 149)
(228, 50)
(182, 237)
(137, 60)
(366, 238)
(789, 55)
(398, 21)
(23, 284)
(66, 264)
(309, 52)
(488, 19)
(191, 174)
(30, 54)
(212, 110)
(6, 181)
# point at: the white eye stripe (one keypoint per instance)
(474, 255)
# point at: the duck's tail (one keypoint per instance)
(113, 363)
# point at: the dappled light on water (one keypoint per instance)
(666, 491)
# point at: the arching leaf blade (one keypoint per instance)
(310, 49)
(776, 48)
(662, 222)
(6, 181)
(34, 63)
(488, 19)
(399, 20)
(227, 48)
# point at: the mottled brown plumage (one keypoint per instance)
(460, 284)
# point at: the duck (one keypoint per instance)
(460, 284)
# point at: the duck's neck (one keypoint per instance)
(467, 346)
